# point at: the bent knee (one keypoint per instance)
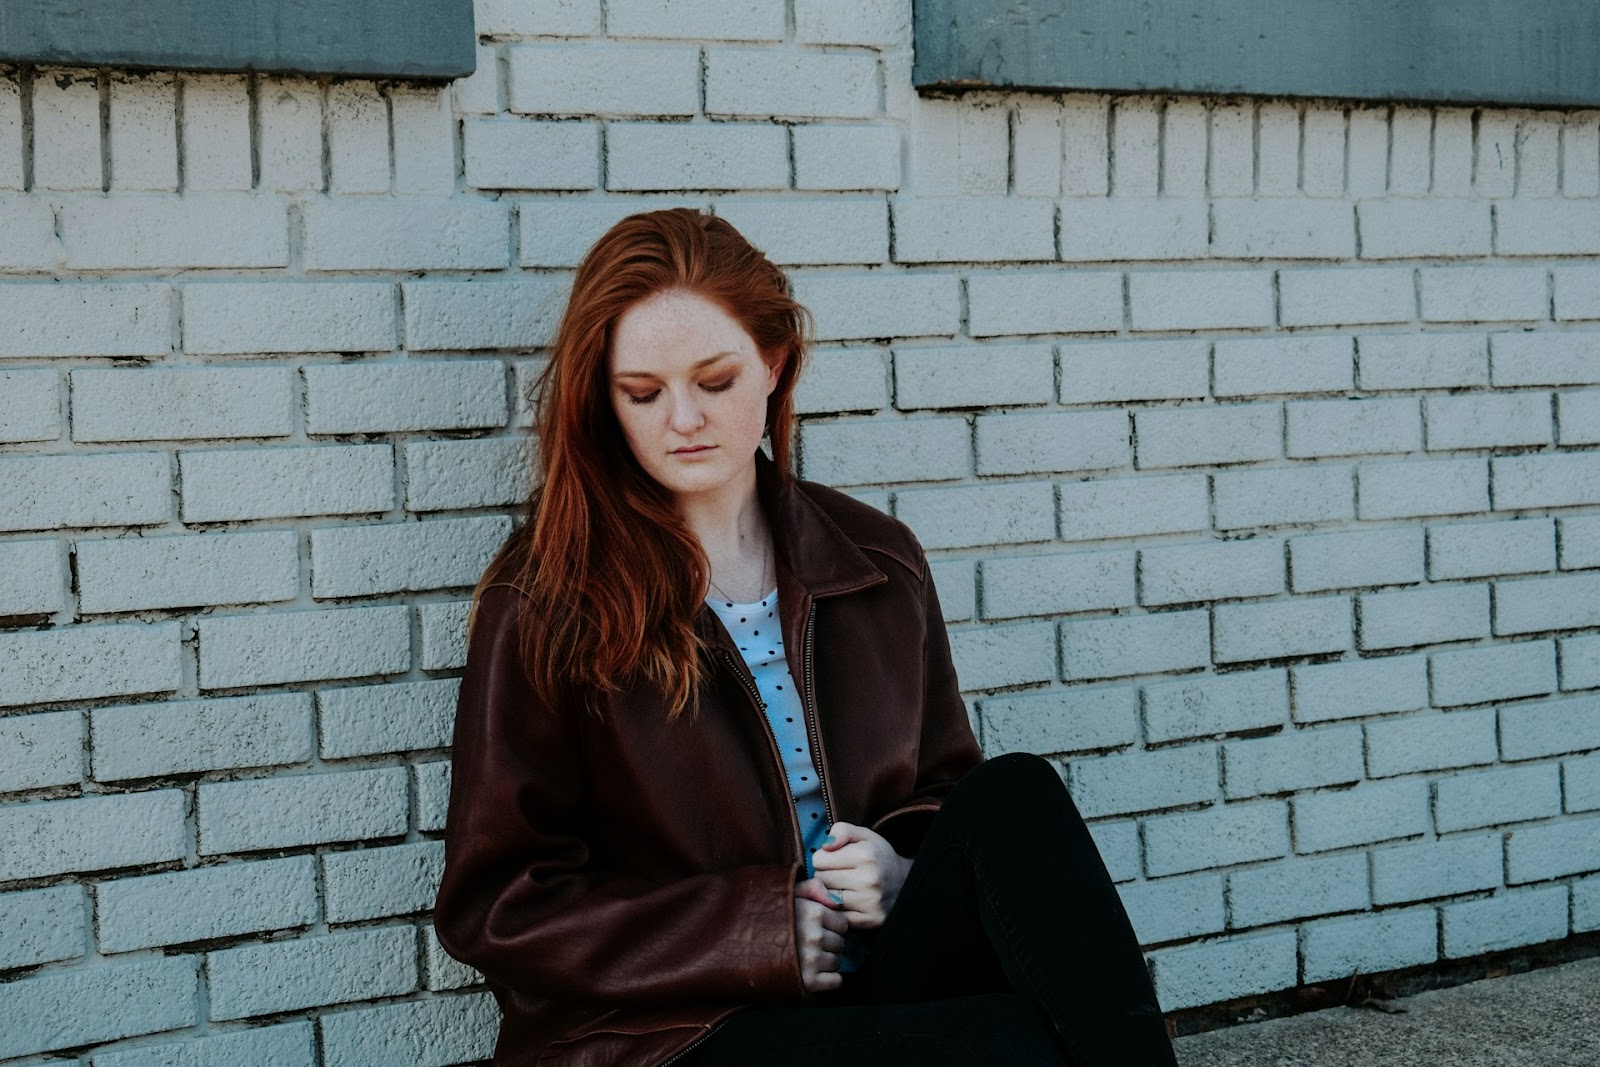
(1012, 778)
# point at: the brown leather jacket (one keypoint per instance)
(626, 885)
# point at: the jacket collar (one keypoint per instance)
(819, 556)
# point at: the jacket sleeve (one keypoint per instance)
(947, 749)
(519, 899)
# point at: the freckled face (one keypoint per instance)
(690, 388)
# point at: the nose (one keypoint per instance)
(685, 415)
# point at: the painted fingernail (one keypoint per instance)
(828, 840)
(837, 899)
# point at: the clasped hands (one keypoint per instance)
(858, 877)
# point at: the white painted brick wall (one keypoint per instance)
(1251, 441)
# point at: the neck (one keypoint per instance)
(730, 527)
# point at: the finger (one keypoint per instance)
(813, 889)
(839, 834)
(831, 941)
(833, 859)
(835, 921)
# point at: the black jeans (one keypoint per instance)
(1008, 945)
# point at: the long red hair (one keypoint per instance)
(613, 577)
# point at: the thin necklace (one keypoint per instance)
(726, 599)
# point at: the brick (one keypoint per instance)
(1183, 574)
(479, 93)
(284, 1045)
(851, 305)
(86, 319)
(1369, 944)
(1188, 976)
(1135, 146)
(1509, 920)
(1536, 605)
(1015, 586)
(1208, 436)
(1281, 495)
(66, 130)
(371, 720)
(1119, 230)
(795, 84)
(311, 971)
(843, 158)
(1482, 549)
(132, 574)
(1338, 296)
(1263, 366)
(1361, 815)
(195, 230)
(853, 229)
(1416, 228)
(404, 557)
(300, 646)
(108, 489)
(1204, 707)
(1578, 415)
(1496, 797)
(1130, 507)
(1036, 148)
(1406, 361)
(1278, 148)
(1010, 513)
(1134, 644)
(190, 736)
(1417, 488)
(973, 376)
(967, 229)
(1025, 302)
(1291, 762)
(1323, 150)
(1065, 720)
(517, 18)
(841, 380)
(43, 925)
(1200, 300)
(424, 140)
(444, 634)
(1174, 909)
(1369, 151)
(30, 405)
(41, 750)
(1452, 151)
(642, 155)
(1093, 372)
(1052, 441)
(1232, 137)
(1585, 905)
(138, 997)
(440, 970)
(372, 883)
(36, 577)
(1554, 850)
(1577, 292)
(1544, 227)
(1297, 889)
(101, 833)
(991, 657)
(1550, 728)
(1282, 229)
(222, 318)
(1217, 837)
(431, 781)
(1494, 672)
(1300, 627)
(1580, 542)
(28, 228)
(409, 394)
(1411, 133)
(1580, 784)
(10, 134)
(1487, 420)
(444, 475)
(757, 21)
(270, 483)
(1118, 844)
(302, 809)
(1144, 781)
(289, 134)
(1352, 427)
(209, 902)
(1484, 294)
(1085, 152)
(1356, 558)
(848, 22)
(1358, 688)
(1430, 616)
(1546, 481)
(216, 131)
(358, 138)
(1431, 741)
(557, 232)
(1580, 662)
(404, 233)
(86, 662)
(143, 132)
(1545, 358)
(179, 404)
(958, 581)
(525, 154)
(1428, 869)
(455, 1029)
(861, 451)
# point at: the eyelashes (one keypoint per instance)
(720, 387)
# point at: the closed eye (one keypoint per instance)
(642, 398)
(721, 386)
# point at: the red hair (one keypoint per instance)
(613, 577)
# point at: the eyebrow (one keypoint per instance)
(701, 363)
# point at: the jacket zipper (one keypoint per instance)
(755, 697)
(691, 1046)
(812, 730)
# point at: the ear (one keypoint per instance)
(774, 372)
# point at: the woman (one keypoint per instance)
(716, 799)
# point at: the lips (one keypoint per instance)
(692, 450)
